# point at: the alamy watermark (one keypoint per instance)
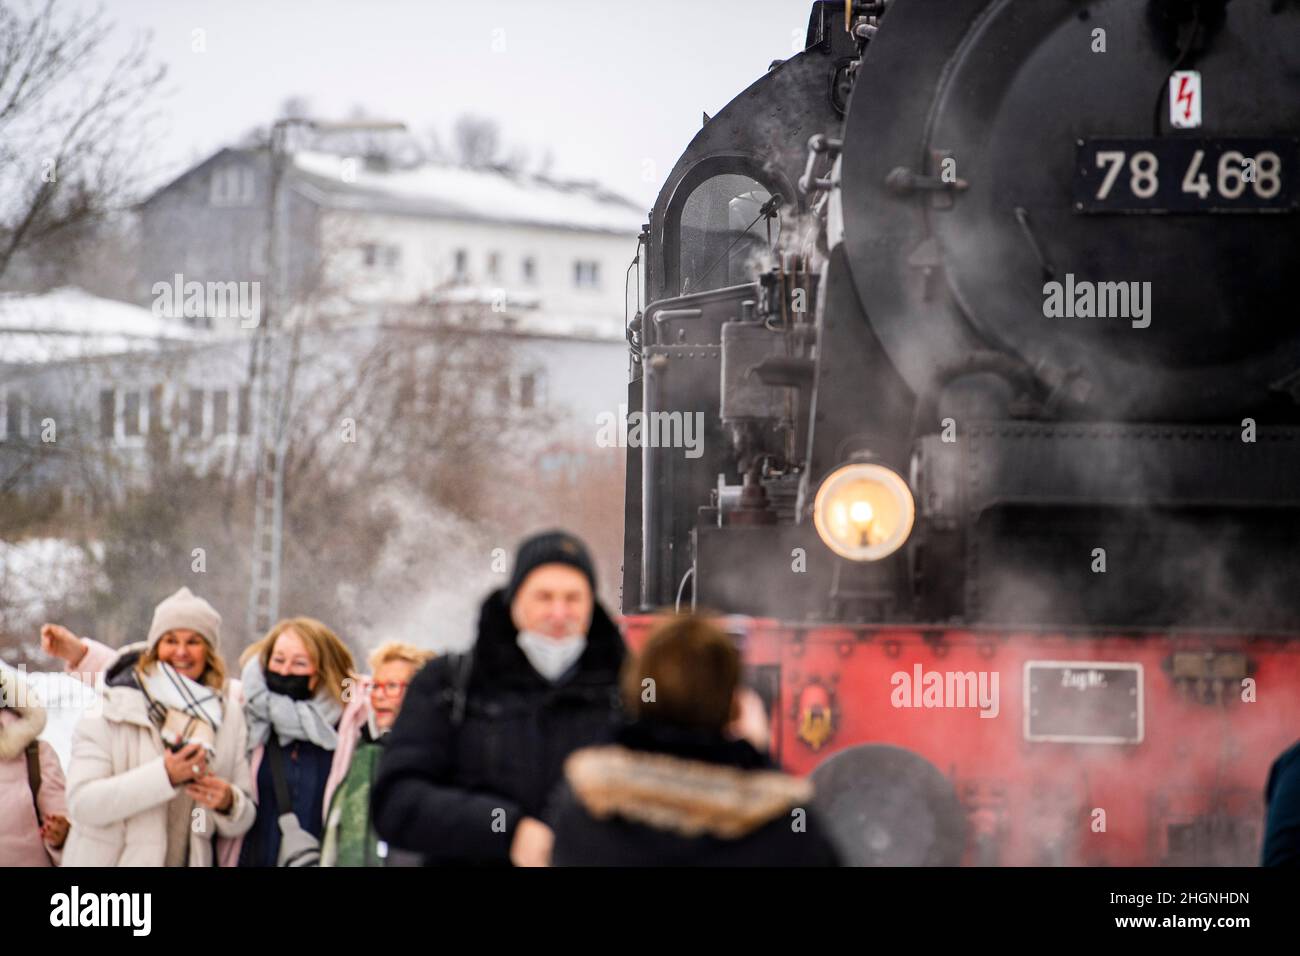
(74, 908)
(56, 692)
(1101, 300)
(208, 300)
(946, 689)
(652, 430)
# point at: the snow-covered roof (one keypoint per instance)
(458, 193)
(68, 324)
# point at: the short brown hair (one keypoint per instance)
(331, 656)
(695, 668)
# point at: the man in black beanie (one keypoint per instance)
(480, 743)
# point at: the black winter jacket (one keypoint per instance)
(1282, 824)
(456, 793)
(665, 796)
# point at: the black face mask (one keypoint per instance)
(293, 686)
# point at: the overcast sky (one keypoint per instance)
(605, 85)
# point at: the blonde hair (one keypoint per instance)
(390, 651)
(214, 671)
(328, 653)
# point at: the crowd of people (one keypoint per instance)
(546, 743)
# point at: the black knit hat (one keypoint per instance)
(550, 547)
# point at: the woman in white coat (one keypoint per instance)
(160, 773)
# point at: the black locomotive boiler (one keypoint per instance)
(987, 310)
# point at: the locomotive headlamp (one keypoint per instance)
(864, 512)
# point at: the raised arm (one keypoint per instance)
(83, 658)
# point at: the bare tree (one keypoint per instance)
(477, 141)
(546, 163)
(432, 148)
(297, 106)
(258, 136)
(70, 133)
(405, 453)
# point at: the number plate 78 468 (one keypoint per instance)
(1187, 175)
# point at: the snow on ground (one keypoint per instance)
(70, 323)
(478, 194)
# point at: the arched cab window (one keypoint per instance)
(728, 224)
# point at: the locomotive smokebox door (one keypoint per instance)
(1075, 178)
(886, 806)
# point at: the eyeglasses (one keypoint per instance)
(391, 688)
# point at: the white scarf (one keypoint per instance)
(315, 720)
(551, 656)
(165, 685)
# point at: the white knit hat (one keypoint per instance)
(184, 610)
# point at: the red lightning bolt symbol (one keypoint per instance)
(1185, 96)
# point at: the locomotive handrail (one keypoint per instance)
(818, 143)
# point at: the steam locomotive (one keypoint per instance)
(984, 311)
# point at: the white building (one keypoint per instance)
(553, 256)
(539, 261)
(546, 256)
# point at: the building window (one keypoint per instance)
(128, 413)
(107, 413)
(586, 274)
(462, 265)
(195, 413)
(220, 412)
(156, 409)
(233, 185)
(11, 419)
(131, 415)
(375, 255)
(530, 270)
(725, 223)
(528, 391)
(494, 265)
(245, 411)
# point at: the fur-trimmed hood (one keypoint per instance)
(19, 725)
(684, 796)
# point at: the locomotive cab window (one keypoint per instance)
(726, 228)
